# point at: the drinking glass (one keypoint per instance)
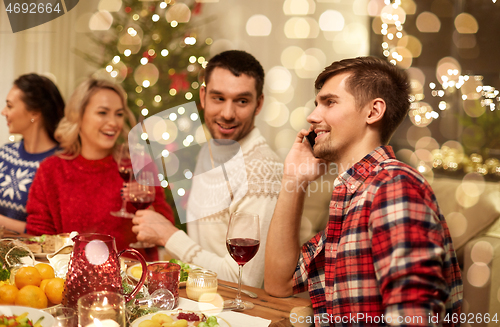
(242, 241)
(125, 170)
(141, 193)
(64, 316)
(164, 275)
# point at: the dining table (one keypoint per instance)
(265, 306)
(268, 307)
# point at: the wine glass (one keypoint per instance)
(242, 241)
(126, 172)
(141, 193)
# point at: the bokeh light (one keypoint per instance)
(412, 44)
(421, 114)
(402, 56)
(427, 143)
(466, 24)
(428, 22)
(178, 12)
(109, 5)
(409, 6)
(331, 21)
(353, 41)
(448, 69)
(391, 15)
(482, 252)
(284, 140)
(299, 7)
(130, 40)
(464, 41)
(276, 113)
(374, 7)
(301, 28)
(290, 55)
(415, 133)
(463, 198)
(298, 118)
(360, 7)
(311, 63)
(478, 274)
(284, 97)
(101, 21)
(148, 72)
(457, 224)
(417, 80)
(259, 25)
(278, 79)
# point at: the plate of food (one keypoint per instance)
(26, 317)
(135, 271)
(171, 318)
(40, 246)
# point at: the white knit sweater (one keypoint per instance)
(206, 244)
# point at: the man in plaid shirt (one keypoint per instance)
(386, 256)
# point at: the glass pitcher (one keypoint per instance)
(95, 266)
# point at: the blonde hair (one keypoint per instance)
(68, 130)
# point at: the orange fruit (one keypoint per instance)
(31, 296)
(45, 270)
(8, 294)
(54, 290)
(43, 284)
(28, 276)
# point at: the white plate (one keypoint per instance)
(135, 323)
(33, 314)
(181, 284)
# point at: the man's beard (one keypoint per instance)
(325, 151)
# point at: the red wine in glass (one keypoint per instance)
(125, 173)
(125, 170)
(141, 205)
(242, 241)
(242, 250)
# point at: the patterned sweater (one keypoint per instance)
(17, 170)
(206, 244)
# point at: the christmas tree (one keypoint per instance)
(153, 50)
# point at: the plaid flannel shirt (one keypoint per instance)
(386, 256)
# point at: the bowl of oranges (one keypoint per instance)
(32, 286)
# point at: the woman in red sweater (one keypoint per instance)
(77, 189)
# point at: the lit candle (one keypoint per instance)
(104, 323)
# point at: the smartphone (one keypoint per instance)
(311, 138)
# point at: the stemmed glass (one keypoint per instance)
(242, 241)
(141, 193)
(125, 170)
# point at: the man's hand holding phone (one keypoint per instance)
(300, 163)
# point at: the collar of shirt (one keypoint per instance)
(355, 176)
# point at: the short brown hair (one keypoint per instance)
(373, 78)
(68, 131)
(238, 62)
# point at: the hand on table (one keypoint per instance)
(153, 228)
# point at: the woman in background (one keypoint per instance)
(77, 189)
(33, 109)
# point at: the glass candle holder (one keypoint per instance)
(201, 285)
(101, 309)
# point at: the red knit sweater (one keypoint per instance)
(78, 195)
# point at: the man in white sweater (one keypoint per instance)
(231, 98)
